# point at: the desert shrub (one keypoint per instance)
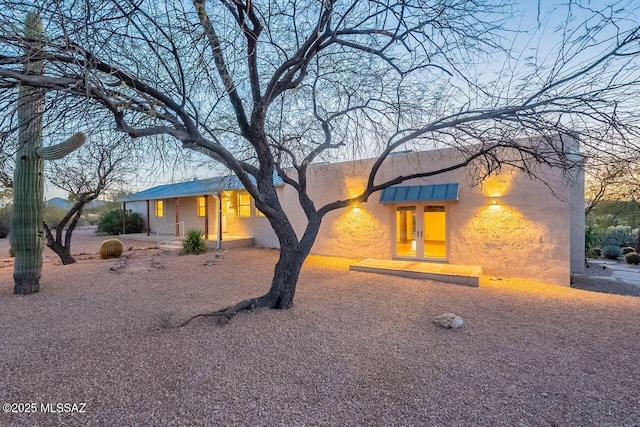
(5, 213)
(12, 253)
(111, 248)
(619, 235)
(611, 251)
(632, 258)
(590, 240)
(110, 222)
(194, 243)
(596, 252)
(627, 250)
(53, 215)
(4, 230)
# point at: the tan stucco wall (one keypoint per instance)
(536, 231)
(263, 232)
(527, 235)
(577, 223)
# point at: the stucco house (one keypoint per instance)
(509, 225)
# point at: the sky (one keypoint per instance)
(540, 17)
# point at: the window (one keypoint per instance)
(202, 206)
(159, 208)
(244, 205)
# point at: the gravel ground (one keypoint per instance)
(356, 349)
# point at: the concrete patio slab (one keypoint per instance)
(468, 275)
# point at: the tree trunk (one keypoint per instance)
(63, 251)
(293, 253)
(285, 278)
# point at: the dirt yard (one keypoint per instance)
(356, 349)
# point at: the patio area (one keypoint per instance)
(355, 349)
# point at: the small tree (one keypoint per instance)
(86, 174)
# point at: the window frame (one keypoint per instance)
(244, 210)
(159, 208)
(201, 209)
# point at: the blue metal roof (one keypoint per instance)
(197, 187)
(420, 193)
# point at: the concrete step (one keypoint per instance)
(468, 275)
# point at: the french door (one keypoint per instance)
(421, 231)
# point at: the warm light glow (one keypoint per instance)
(159, 208)
(202, 203)
(495, 201)
(355, 186)
(352, 230)
(244, 205)
(503, 240)
(496, 186)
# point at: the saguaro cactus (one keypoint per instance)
(27, 234)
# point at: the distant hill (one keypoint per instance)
(65, 204)
(59, 202)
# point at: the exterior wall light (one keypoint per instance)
(495, 201)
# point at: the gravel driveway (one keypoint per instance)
(356, 349)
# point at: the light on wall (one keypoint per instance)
(495, 201)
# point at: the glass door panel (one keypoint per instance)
(435, 232)
(406, 228)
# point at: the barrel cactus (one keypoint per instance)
(111, 248)
(27, 233)
(632, 258)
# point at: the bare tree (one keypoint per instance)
(85, 175)
(273, 86)
(612, 179)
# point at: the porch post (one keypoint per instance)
(206, 217)
(177, 216)
(124, 217)
(148, 219)
(219, 233)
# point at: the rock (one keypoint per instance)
(130, 249)
(448, 320)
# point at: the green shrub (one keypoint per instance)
(110, 222)
(619, 235)
(590, 240)
(632, 258)
(194, 243)
(611, 251)
(53, 215)
(4, 230)
(628, 250)
(596, 252)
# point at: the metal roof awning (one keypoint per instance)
(420, 193)
(198, 187)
